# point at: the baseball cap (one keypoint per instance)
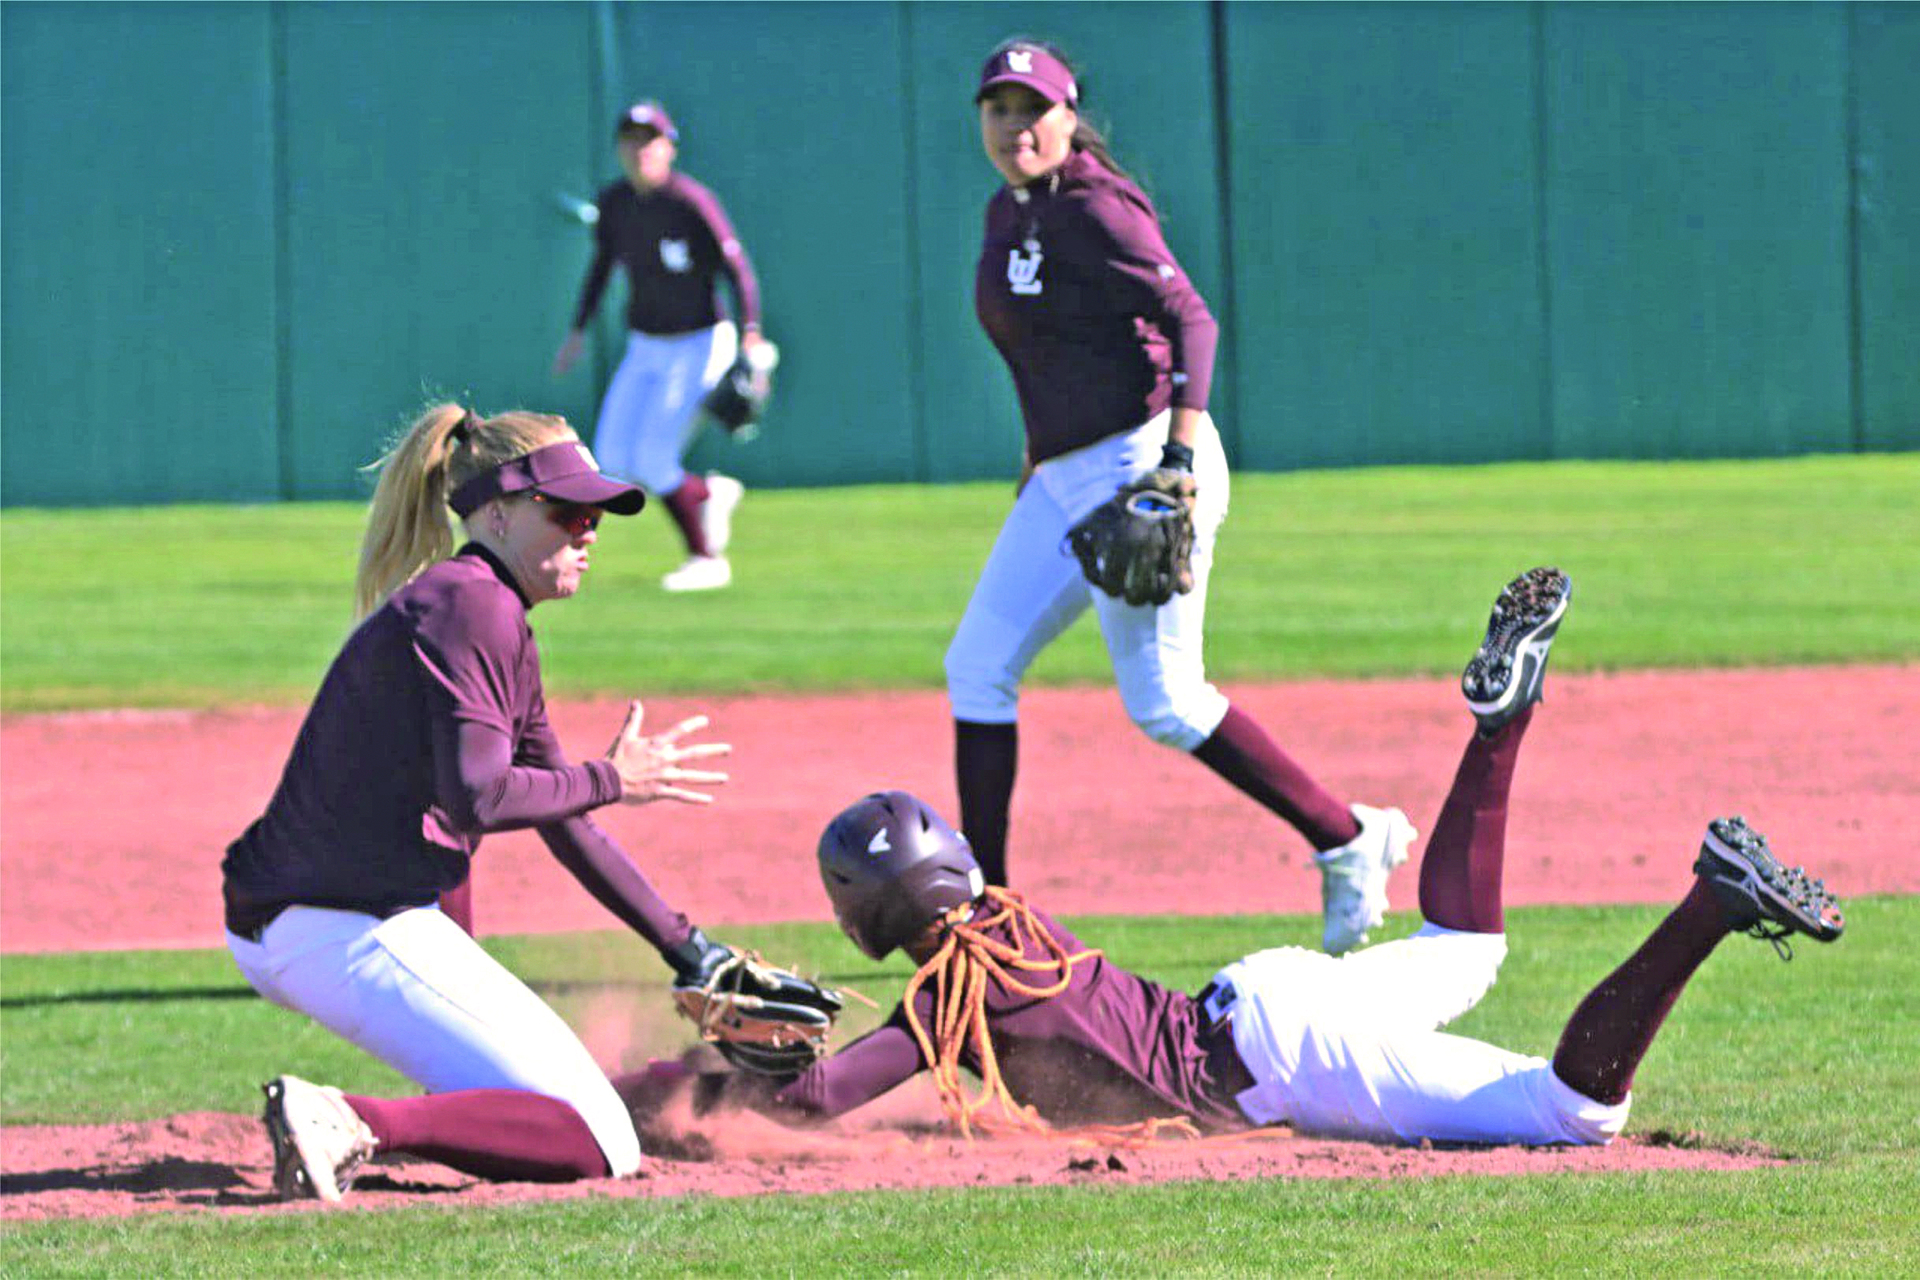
(1032, 66)
(566, 471)
(647, 114)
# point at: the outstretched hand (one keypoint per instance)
(650, 766)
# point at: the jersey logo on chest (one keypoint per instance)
(1023, 268)
(675, 255)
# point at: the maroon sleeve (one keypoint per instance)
(481, 789)
(599, 270)
(594, 859)
(1144, 279)
(733, 255)
(475, 654)
(876, 1063)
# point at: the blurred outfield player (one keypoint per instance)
(675, 242)
(429, 731)
(1351, 1047)
(1111, 352)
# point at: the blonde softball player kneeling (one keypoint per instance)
(1059, 1035)
(429, 731)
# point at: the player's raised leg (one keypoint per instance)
(1430, 979)
(1463, 868)
(1739, 887)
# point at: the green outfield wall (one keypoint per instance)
(241, 241)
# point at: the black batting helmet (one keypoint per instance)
(891, 867)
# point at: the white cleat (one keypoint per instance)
(699, 573)
(1353, 877)
(716, 513)
(319, 1143)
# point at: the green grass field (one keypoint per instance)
(1345, 573)
(1813, 1059)
(1360, 573)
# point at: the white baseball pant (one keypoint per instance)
(420, 995)
(1032, 589)
(1350, 1047)
(652, 406)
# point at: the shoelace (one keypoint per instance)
(1807, 896)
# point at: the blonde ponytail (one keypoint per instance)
(409, 527)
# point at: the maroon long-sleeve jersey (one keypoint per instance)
(1113, 1048)
(430, 730)
(675, 243)
(1097, 322)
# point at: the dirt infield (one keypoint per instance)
(114, 825)
(213, 1162)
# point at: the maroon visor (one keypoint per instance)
(1034, 67)
(566, 471)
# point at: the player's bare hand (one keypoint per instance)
(569, 353)
(653, 767)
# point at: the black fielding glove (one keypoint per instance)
(761, 1018)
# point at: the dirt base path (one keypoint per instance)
(114, 824)
(208, 1161)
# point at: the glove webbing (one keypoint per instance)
(728, 978)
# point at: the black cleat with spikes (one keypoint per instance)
(1505, 676)
(1759, 896)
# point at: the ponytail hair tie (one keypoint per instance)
(463, 430)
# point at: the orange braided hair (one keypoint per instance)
(961, 969)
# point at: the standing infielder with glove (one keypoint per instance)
(675, 242)
(1057, 1034)
(429, 731)
(1124, 486)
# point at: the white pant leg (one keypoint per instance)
(623, 410)
(1030, 590)
(1360, 1081)
(1422, 982)
(420, 995)
(1157, 653)
(652, 406)
(1347, 1047)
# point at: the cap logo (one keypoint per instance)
(1020, 61)
(879, 844)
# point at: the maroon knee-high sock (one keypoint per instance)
(984, 759)
(506, 1135)
(1461, 870)
(1610, 1032)
(457, 904)
(684, 504)
(1241, 752)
